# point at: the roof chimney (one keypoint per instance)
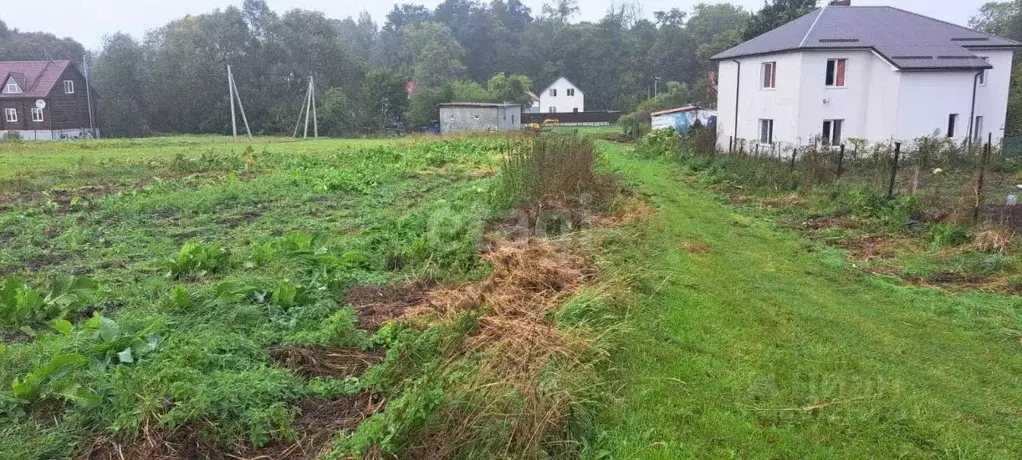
(841, 3)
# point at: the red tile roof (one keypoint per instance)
(36, 78)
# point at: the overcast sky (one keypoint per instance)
(89, 20)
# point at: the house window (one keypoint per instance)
(766, 131)
(983, 76)
(69, 86)
(836, 72)
(952, 121)
(553, 109)
(11, 115)
(979, 129)
(769, 75)
(832, 132)
(12, 87)
(576, 110)
(571, 91)
(37, 114)
(553, 92)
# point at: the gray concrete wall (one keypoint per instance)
(479, 119)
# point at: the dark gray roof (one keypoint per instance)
(908, 40)
(478, 104)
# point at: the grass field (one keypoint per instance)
(755, 343)
(227, 302)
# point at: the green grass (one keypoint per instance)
(208, 261)
(768, 346)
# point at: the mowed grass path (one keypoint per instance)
(761, 345)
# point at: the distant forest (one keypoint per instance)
(174, 79)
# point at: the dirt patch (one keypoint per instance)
(327, 362)
(695, 247)
(873, 247)
(819, 223)
(785, 201)
(377, 305)
(316, 425)
(618, 137)
(234, 221)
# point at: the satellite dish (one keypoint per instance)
(40, 104)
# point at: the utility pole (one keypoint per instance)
(315, 119)
(88, 96)
(656, 86)
(230, 89)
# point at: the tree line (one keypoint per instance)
(173, 80)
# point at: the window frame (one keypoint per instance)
(766, 126)
(553, 92)
(42, 115)
(570, 92)
(11, 82)
(11, 115)
(978, 128)
(952, 124)
(828, 133)
(69, 85)
(764, 74)
(840, 75)
(552, 109)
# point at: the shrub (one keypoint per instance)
(949, 234)
(558, 168)
(661, 143)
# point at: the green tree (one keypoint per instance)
(777, 13)
(118, 73)
(335, 116)
(1005, 19)
(510, 88)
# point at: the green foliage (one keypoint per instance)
(22, 306)
(948, 235)
(891, 212)
(777, 13)
(198, 260)
(51, 380)
(661, 143)
(112, 345)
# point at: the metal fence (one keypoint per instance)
(969, 182)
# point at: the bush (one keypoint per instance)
(554, 168)
(948, 235)
(661, 143)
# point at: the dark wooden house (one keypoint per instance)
(44, 100)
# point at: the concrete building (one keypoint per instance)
(876, 73)
(466, 117)
(562, 96)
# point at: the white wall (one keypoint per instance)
(562, 101)
(878, 102)
(928, 98)
(754, 102)
(850, 103)
(992, 97)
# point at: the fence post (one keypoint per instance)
(894, 168)
(794, 153)
(840, 161)
(731, 144)
(979, 179)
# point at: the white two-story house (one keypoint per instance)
(872, 72)
(560, 97)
